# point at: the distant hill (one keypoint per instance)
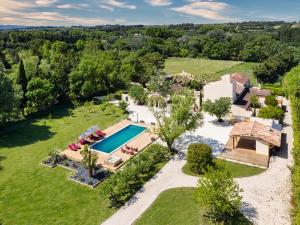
(11, 27)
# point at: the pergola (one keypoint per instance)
(262, 137)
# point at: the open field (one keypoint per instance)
(236, 169)
(34, 194)
(177, 206)
(207, 69)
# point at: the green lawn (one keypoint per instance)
(236, 169)
(209, 69)
(34, 194)
(243, 68)
(177, 207)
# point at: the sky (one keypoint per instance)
(147, 12)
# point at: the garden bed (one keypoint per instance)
(81, 174)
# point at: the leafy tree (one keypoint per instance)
(89, 159)
(39, 93)
(254, 103)
(182, 118)
(160, 84)
(22, 81)
(271, 100)
(123, 105)
(138, 93)
(220, 108)
(151, 63)
(271, 112)
(199, 156)
(9, 100)
(217, 190)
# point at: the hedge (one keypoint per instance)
(122, 185)
(292, 84)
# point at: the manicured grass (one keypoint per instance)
(206, 68)
(243, 68)
(236, 169)
(209, 69)
(177, 207)
(34, 194)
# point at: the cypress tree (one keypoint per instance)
(22, 81)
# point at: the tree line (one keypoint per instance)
(42, 67)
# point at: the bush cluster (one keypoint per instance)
(121, 186)
(199, 157)
(292, 84)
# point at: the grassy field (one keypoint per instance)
(34, 194)
(209, 70)
(177, 206)
(243, 68)
(236, 169)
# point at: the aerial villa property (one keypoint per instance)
(114, 145)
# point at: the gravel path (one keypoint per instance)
(266, 196)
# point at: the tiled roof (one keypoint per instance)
(239, 78)
(260, 92)
(257, 130)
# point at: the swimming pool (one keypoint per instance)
(116, 140)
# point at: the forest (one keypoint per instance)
(41, 67)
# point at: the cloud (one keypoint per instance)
(73, 6)
(159, 2)
(28, 12)
(109, 8)
(45, 2)
(207, 9)
(117, 4)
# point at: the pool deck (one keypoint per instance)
(140, 142)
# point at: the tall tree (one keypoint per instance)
(220, 193)
(182, 118)
(22, 81)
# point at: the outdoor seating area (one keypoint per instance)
(117, 158)
(252, 142)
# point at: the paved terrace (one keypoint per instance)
(140, 142)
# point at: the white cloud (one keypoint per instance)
(27, 12)
(159, 2)
(72, 6)
(45, 2)
(207, 9)
(109, 8)
(118, 4)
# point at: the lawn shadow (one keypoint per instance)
(1, 159)
(25, 135)
(182, 143)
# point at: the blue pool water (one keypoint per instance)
(118, 139)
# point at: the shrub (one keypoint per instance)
(123, 105)
(138, 93)
(199, 156)
(292, 84)
(121, 186)
(118, 95)
(271, 100)
(271, 112)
